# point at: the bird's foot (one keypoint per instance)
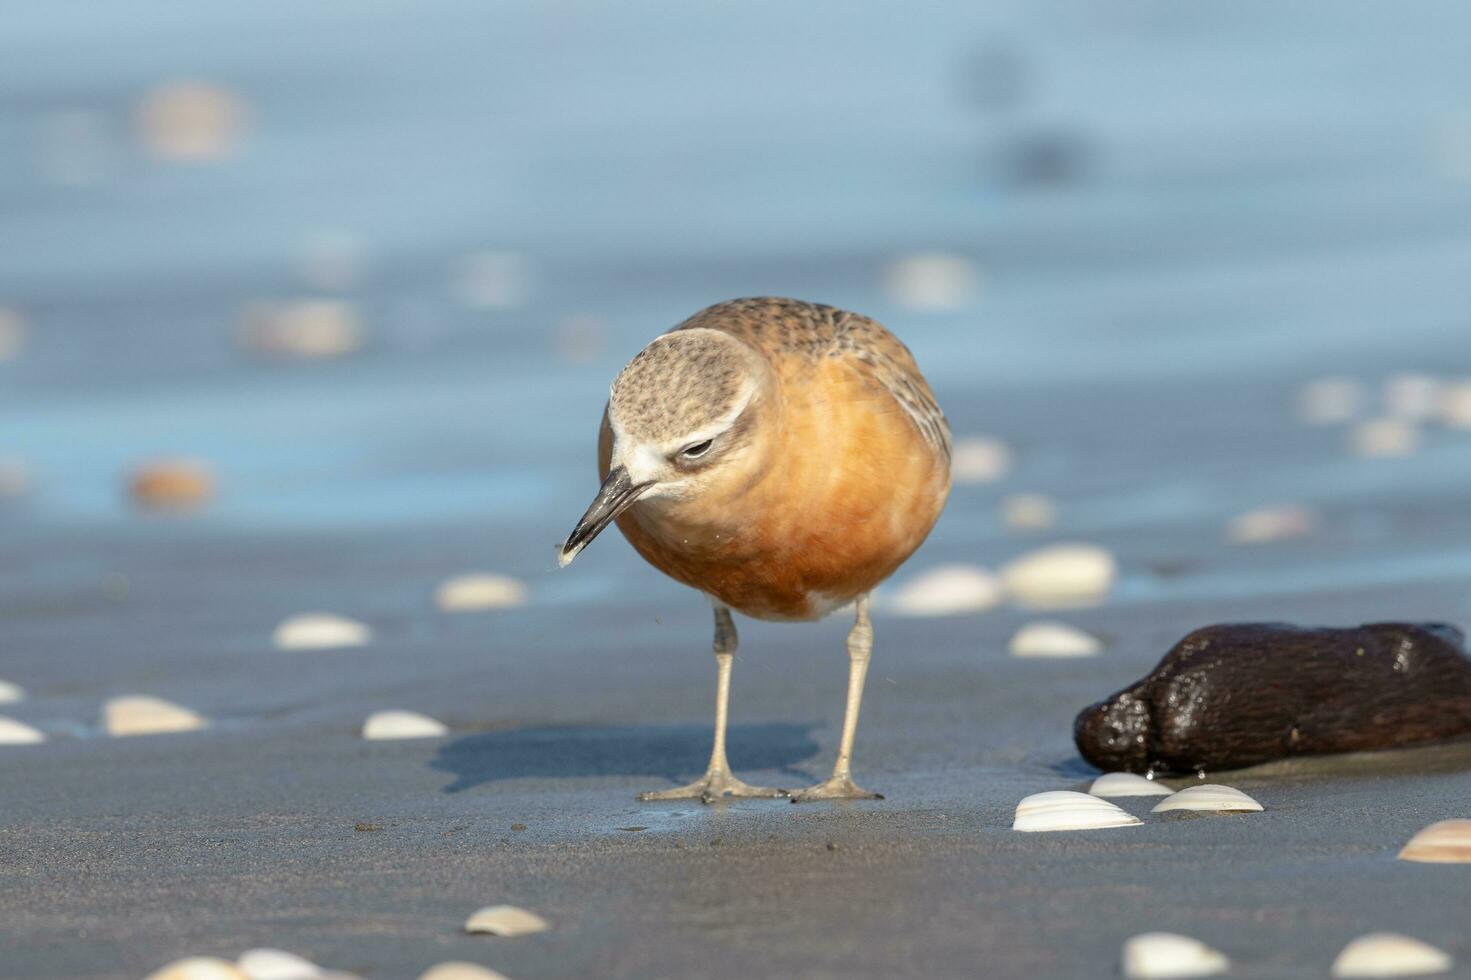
(836, 788)
(712, 786)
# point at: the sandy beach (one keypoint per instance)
(1176, 225)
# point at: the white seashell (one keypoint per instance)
(1029, 512)
(1412, 396)
(198, 968)
(480, 591)
(1047, 639)
(191, 121)
(320, 631)
(382, 725)
(1455, 405)
(948, 590)
(1272, 524)
(1328, 401)
(1158, 955)
(1062, 575)
(1383, 438)
(931, 281)
(979, 459)
(1446, 842)
(142, 715)
(1116, 784)
(302, 328)
(460, 971)
(506, 920)
(11, 693)
(1209, 798)
(14, 732)
(1066, 810)
(1388, 954)
(277, 964)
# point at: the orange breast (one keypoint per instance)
(850, 490)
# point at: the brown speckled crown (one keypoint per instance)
(679, 384)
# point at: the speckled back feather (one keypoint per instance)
(816, 331)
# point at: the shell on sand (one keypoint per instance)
(302, 328)
(14, 732)
(460, 971)
(1157, 955)
(11, 693)
(1268, 524)
(948, 590)
(481, 590)
(190, 121)
(506, 920)
(1117, 784)
(1388, 954)
(1384, 438)
(1446, 842)
(143, 715)
(1029, 512)
(931, 281)
(199, 968)
(277, 964)
(1209, 798)
(320, 631)
(172, 484)
(980, 459)
(1048, 639)
(1067, 810)
(384, 725)
(1059, 576)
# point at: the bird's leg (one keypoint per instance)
(718, 781)
(840, 785)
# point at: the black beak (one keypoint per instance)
(617, 493)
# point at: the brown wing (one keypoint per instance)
(790, 326)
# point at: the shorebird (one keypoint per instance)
(783, 458)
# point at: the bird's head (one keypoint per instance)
(682, 420)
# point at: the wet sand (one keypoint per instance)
(1138, 337)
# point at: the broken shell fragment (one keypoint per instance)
(980, 459)
(142, 715)
(385, 725)
(1058, 640)
(1209, 798)
(198, 968)
(468, 593)
(948, 590)
(14, 732)
(11, 693)
(460, 971)
(320, 631)
(1060, 576)
(1158, 955)
(172, 484)
(277, 964)
(1388, 954)
(506, 920)
(1067, 810)
(1116, 784)
(1446, 842)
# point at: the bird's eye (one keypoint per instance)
(697, 450)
